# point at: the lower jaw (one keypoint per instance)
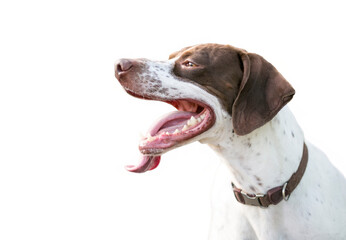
(158, 151)
(154, 151)
(163, 147)
(160, 144)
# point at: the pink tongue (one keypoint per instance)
(168, 121)
(147, 163)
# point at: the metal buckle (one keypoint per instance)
(284, 192)
(252, 199)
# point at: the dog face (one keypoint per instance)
(216, 68)
(203, 83)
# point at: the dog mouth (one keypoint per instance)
(172, 130)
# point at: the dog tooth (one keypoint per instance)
(193, 120)
(176, 131)
(150, 138)
(185, 127)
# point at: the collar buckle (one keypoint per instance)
(246, 198)
(252, 199)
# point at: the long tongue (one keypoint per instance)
(147, 163)
(168, 122)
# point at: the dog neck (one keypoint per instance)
(265, 158)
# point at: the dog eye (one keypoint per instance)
(189, 64)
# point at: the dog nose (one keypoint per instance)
(122, 66)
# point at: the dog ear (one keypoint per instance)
(262, 93)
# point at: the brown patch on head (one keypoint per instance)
(250, 88)
(173, 55)
(216, 68)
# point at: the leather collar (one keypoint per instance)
(276, 194)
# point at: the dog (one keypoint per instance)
(273, 183)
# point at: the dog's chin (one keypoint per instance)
(173, 130)
(161, 151)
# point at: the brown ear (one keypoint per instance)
(262, 93)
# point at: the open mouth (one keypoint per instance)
(172, 130)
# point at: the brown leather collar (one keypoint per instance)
(276, 194)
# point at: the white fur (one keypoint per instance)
(269, 156)
(256, 162)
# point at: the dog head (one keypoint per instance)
(203, 82)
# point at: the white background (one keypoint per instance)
(67, 128)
